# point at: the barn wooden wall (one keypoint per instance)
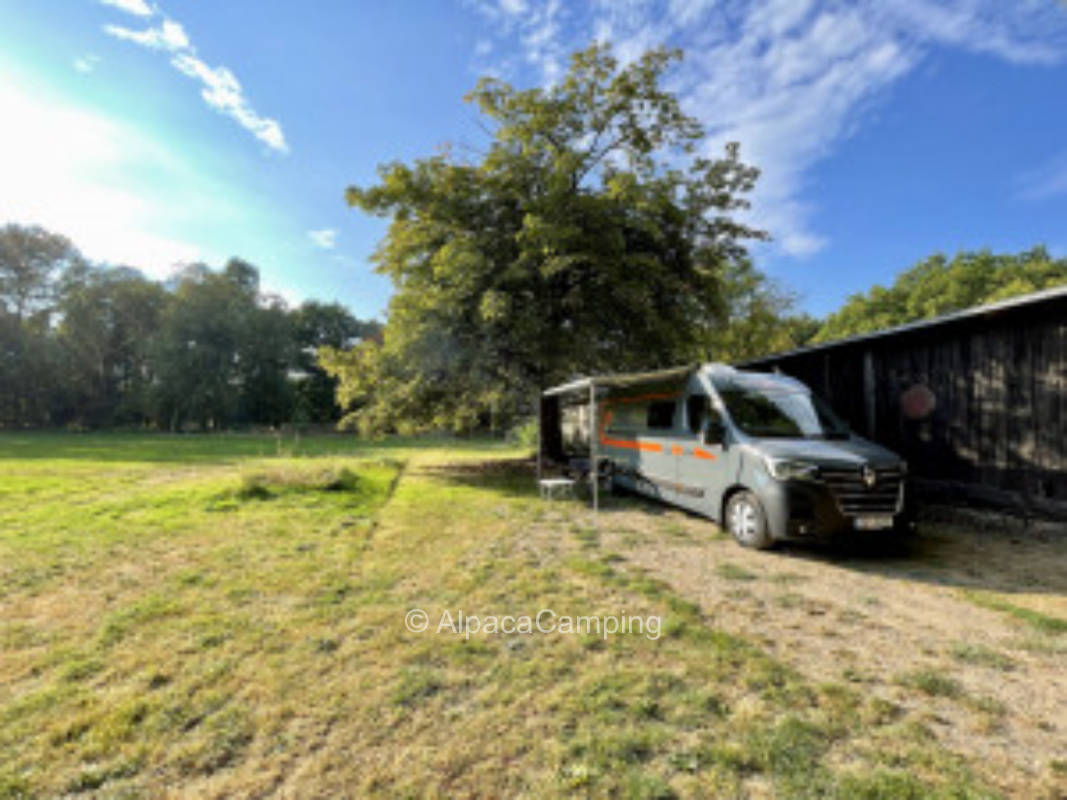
(1000, 426)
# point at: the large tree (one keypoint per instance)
(591, 236)
(31, 258)
(31, 262)
(108, 318)
(31, 379)
(265, 354)
(222, 352)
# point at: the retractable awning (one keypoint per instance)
(589, 386)
(619, 379)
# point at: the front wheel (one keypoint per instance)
(746, 521)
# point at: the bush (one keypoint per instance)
(525, 434)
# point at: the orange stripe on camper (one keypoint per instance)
(676, 450)
(631, 444)
(701, 453)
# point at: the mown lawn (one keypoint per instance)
(224, 616)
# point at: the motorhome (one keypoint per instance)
(757, 452)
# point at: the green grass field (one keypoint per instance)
(224, 616)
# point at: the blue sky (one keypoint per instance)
(156, 133)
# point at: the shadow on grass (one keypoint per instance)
(974, 560)
(955, 556)
(517, 478)
(511, 477)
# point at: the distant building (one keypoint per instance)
(976, 400)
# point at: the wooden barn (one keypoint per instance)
(976, 401)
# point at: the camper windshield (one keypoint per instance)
(767, 409)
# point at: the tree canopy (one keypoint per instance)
(30, 258)
(938, 286)
(99, 346)
(759, 318)
(317, 325)
(590, 236)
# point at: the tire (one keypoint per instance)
(744, 518)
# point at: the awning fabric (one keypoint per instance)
(619, 379)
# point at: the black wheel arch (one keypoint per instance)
(726, 495)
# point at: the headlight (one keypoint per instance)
(783, 469)
(903, 467)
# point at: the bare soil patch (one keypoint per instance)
(920, 627)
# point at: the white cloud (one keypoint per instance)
(223, 92)
(1047, 180)
(221, 89)
(513, 7)
(86, 64)
(788, 79)
(686, 12)
(169, 36)
(793, 90)
(541, 29)
(325, 238)
(1023, 32)
(136, 7)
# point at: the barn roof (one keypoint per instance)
(975, 312)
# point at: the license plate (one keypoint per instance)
(874, 523)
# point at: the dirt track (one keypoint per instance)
(908, 626)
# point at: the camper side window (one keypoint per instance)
(697, 411)
(661, 414)
(626, 418)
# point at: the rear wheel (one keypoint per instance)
(746, 521)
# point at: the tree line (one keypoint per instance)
(88, 345)
(939, 285)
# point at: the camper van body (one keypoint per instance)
(754, 451)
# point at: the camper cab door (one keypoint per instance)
(702, 468)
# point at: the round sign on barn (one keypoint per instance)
(918, 402)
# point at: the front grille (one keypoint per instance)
(852, 495)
